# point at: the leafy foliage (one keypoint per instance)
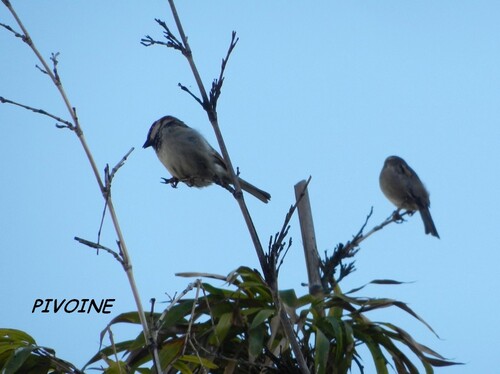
(235, 329)
(19, 353)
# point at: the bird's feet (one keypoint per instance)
(396, 217)
(224, 184)
(171, 181)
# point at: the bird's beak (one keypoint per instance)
(147, 144)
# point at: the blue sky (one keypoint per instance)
(327, 89)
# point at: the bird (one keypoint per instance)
(189, 157)
(402, 186)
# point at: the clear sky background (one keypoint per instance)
(325, 88)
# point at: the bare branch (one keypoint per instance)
(124, 257)
(217, 83)
(108, 178)
(16, 34)
(349, 250)
(99, 246)
(172, 41)
(212, 116)
(190, 324)
(119, 164)
(66, 124)
(359, 237)
(54, 60)
(184, 88)
(148, 41)
(275, 255)
(159, 321)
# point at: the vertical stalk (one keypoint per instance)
(212, 116)
(103, 188)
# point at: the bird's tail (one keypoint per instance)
(257, 192)
(428, 222)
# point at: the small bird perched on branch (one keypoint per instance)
(190, 158)
(402, 186)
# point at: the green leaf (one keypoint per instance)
(177, 313)
(256, 341)
(372, 304)
(119, 367)
(16, 337)
(182, 367)
(169, 352)
(227, 294)
(221, 329)
(108, 351)
(376, 281)
(261, 317)
(349, 346)
(338, 335)
(248, 274)
(377, 355)
(305, 300)
(199, 360)
(289, 297)
(406, 338)
(322, 347)
(255, 290)
(17, 359)
(401, 361)
(129, 317)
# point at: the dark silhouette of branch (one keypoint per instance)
(16, 34)
(172, 41)
(342, 252)
(66, 124)
(108, 178)
(184, 88)
(215, 91)
(277, 248)
(98, 246)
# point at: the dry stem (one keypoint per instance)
(75, 126)
(209, 107)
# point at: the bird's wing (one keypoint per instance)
(415, 187)
(218, 159)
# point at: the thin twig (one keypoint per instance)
(172, 41)
(184, 88)
(349, 250)
(16, 34)
(108, 178)
(120, 164)
(359, 237)
(217, 83)
(124, 255)
(276, 246)
(190, 324)
(99, 246)
(212, 320)
(67, 124)
(159, 321)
